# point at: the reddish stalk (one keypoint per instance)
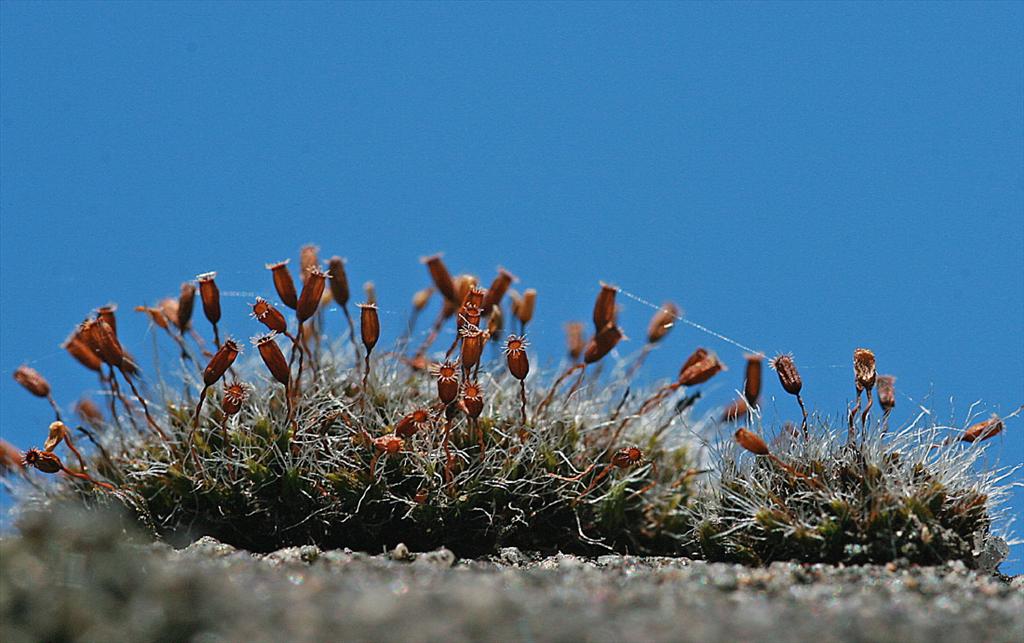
(852, 418)
(229, 451)
(641, 358)
(480, 436)
(577, 383)
(53, 405)
(91, 437)
(558, 382)
(373, 463)
(593, 483)
(78, 454)
(199, 408)
(435, 330)
(366, 379)
(447, 451)
(351, 328)
(522, 398)
(115, 388)
(803, 409)
(85, 476)
(302, 351)
(793, 472)
(650, 485)
(105, 383)
(145, 407)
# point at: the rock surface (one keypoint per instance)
(73, 577)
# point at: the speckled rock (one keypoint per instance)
(74, 577)
(208, 546)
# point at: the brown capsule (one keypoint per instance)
(515, 353)
(498, 289)
(312, 290)
(700, 367)
(442, 278)
(447, 375)
(33, 382)
(413, 423)
(389, 444)
(284, 284)
(107, 314)
(234, 397)
(339, 280)
(864, 369)
(574, 340)
(221, 362)
(465, 285)
(369, 325)
(752, 381)
(517, 300)
(602, 343)
(418, 363)
(43, 461)
(695, 357)
(495, 322)
(86, 332)
(789, 377)
(155, 315)
(751, 441)
(524, 311)
(78, 348)
(469, 312)
(58, 433)
(186, 302)
(662, 321)
(105, 341)
(169, 308)
(309, 260)
(887, 391)
(737, 409)
(472, 400)
(983, 430)
(627, 457)
(473, 297)
(473, 341)
(11, 459)
(420, 299)
(88, 411)
(209, 294)
(604, 307)
(269, 316)
(272, 356)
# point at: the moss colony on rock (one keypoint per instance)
(336, 442)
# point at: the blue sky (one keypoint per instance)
(800, 177)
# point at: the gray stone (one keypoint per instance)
(210, 547)
(402, 553)
(438, 558)
(76, 579)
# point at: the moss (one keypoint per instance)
(269, 486)
(310, 464)
(861, 503)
